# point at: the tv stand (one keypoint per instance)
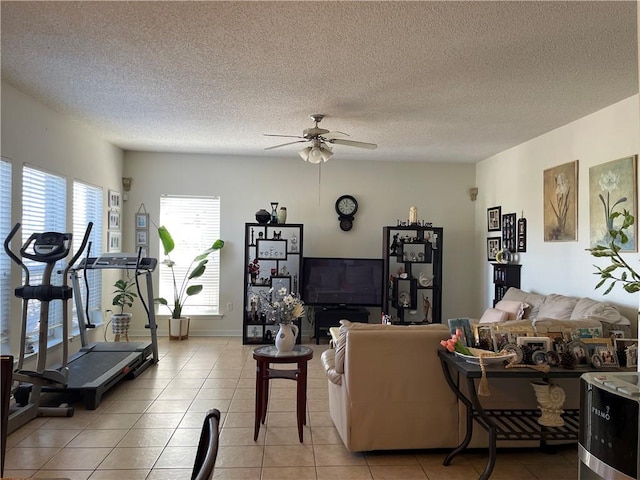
(327, 317)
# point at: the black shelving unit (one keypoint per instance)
(504, 276)
(413, 274)
(278, 249)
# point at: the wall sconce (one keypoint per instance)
(473, 193)
(126, 183)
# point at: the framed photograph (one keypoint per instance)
(482, 336)
(509, 231)
(114, 220)
(114, 199)
(500, 339)
(464, 325)
(494, 244)
(579, 350)
(608, 356)
(280, 281)
(114, 242)
(535, 343)
(613, 187)
(522, 234)
(627, 349)
(560, 209)
(142, 238)
(593, 344)
(271, 249)
(142, 220)
(494, 215)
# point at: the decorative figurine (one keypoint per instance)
(426, 306)
(393, 249)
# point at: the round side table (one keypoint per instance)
(267, 355)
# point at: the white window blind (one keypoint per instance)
(88, 207)
(5, 261)
(44, 209)
(194, 224)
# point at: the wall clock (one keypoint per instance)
(346, 207)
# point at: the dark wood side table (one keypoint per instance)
(505, 424)
(267, 355)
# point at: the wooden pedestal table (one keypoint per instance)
(267, 355)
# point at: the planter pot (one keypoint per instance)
(179, 328)
(120, 325)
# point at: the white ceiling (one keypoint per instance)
(426, 81)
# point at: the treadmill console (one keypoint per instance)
(118, 261)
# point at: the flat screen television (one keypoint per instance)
(342, 281)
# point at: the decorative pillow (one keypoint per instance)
(534, 300)
(514, 308)
(586, 307)
(557, 306)
(493, 315)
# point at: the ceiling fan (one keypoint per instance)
(321, 141)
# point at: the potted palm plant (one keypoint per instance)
(123, 297)
(178, 323)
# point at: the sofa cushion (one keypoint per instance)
(345, 326)
(514, 308)
(587, 307)
(557, 306)
(493, 315)
(328, 358)
(534, 300)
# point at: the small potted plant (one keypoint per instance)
(182, 291)
(123, 297)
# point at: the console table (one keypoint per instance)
(505, 424)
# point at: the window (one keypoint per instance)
(44, 202)
(194, 224)
(88, 207)
(5, 261)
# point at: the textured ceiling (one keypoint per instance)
(426, 81)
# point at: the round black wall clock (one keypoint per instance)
(346, 205)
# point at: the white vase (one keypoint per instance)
(550, 401)
(282, 215)
(286, 337)
(179, 328)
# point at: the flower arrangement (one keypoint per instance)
(454, 344)
(282, 307)
(561, 209)
(254, 267)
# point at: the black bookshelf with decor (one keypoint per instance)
(505, 276)
(272, 259)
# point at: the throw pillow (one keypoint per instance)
(493, 315)
(514, 308)
(557, 306)
(534, 300)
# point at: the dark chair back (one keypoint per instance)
(207, 447)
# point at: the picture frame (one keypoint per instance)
(500, 339)
(509, 231)
(142, 220)
(113, 221)
(114, 199)
(627, 350)
(613, 187)
(464, 325)
(280, 281)
(271, 249)
(593, 344)
(560, 203)
(494, 244)
(608, 356)
(114, 242)
(579, 350)
(494, 217)
(482, 336)
(522, 235)
(142, 238)
(535, 343)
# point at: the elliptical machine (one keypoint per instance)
(47, 248)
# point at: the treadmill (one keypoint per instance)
(97, 367)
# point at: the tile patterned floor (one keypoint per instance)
(148, 428)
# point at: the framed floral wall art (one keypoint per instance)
(613, 188)
(560, 195)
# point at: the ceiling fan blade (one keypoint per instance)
(335, 134)
(276, 135)
(352, 143)
(285, 144)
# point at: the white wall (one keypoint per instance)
(513, 180)
(385, 191)
(34, 134)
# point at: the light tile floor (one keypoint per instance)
(148, 428)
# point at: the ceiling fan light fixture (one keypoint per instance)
(304, 153)
(319, 153)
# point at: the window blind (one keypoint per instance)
(194, 224)
(44, 202)
(88, 207)
(5, 261)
